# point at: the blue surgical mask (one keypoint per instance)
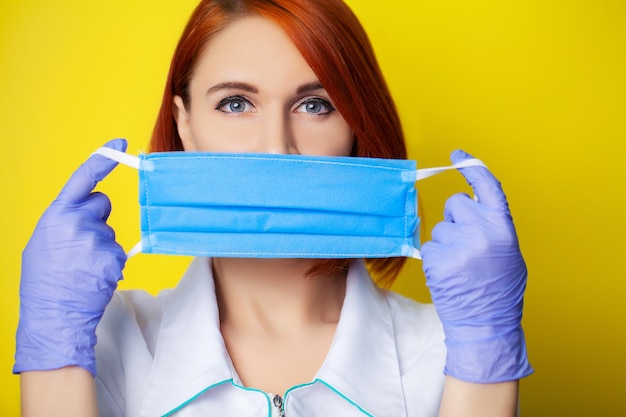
(277, 206)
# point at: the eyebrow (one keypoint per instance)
(237, 85)
(307, 88)
(233, 85)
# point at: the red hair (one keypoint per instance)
(336, 47)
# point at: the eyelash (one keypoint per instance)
(311, 100)
(231, 99)
(318, 100)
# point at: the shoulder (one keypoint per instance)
(418, 330)
(127, 336)
(130, 312)
(421, 352)
(411, 313)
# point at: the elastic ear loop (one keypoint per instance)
(420, 174)
(128, 160)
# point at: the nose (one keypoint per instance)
(277, 134)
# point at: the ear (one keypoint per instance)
(181, 115)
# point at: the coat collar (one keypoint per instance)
(190, 354)
(362, 363)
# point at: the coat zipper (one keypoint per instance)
(279, 404)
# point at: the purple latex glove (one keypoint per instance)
(477, 277)
(70, 269)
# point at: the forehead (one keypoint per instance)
(254, 49)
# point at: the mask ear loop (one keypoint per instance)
(128, 160)
(135, 250)
(429, 172)
(119, 156)
(420, 174)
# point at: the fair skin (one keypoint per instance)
(244, 99)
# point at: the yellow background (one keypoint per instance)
(535, 88)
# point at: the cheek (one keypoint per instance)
(332, 138)
(220, 134)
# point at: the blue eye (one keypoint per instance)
(316, 106)
(233, 104)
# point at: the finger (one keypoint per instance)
(98, 205)
(85, 178)
(442, 262)
(98, 233)
(486, 187)
(443, 232)
(434, 259)
(104, 232)
(461, 208)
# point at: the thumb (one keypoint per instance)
(486, 187)
(85, 178)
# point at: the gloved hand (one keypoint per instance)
(477, 277)
(70, 269)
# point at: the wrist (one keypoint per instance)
(497, 358)
(45, 345)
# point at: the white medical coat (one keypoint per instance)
(165, 355)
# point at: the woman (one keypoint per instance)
(273, 336)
